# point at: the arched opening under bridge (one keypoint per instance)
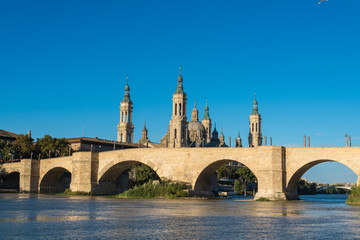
(125, 175)
(56, 180)
(320, 177)
(10, 181)
(226, 178)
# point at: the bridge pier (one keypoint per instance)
(29, 179)
(85, 169)
(271, 175)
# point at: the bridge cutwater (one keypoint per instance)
(277, 168)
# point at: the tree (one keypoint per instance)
(223, 172)
(305, 188)
(6, 149)
(62, 146)
(237, 186)
(141, 174)
(246, 175)
(23, 146)
(53, 146)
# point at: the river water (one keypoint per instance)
(26, 216)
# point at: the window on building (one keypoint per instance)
(175, 134)
(252, 127)
(179, 109)
(256, 126)
(175, 109)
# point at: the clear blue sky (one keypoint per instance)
(63, 66)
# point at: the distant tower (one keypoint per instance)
(125, 127)
(215, 135)
(178, 123)
(238, 141)
(144, 138)
(206, 121)
(255, 137)
(144, 132)
(222, 139)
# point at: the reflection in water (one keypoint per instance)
(49, 216)
(48, 219)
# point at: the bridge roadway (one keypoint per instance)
(333, 186)
(277, 168)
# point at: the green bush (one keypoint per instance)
(354, 196)
(262, 199)
(161, 190)
(69, 192)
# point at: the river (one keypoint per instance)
(32, 216)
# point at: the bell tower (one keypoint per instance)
(255, 136)
(125, 127)
(206, 121)
(178, 122)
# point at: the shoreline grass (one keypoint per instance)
(68, 192)
(166, 190)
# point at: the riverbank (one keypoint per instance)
(354, 196)
(167, 190)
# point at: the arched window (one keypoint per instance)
(175, 109)
(175, 134)
(179, 109)
(121, 138)
(252, 127)
(122, 116)
(256, 126)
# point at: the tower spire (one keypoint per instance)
(255, 107)
(195, 113)
(179, 88)
(206, 121)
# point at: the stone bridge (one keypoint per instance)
(277, 168)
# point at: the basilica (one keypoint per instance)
(184, 133)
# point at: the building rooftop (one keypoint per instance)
(100, 141)
(7, 134)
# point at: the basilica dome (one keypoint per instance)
(196, 126)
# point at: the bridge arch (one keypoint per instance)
(204, 180)
(55, 180)
(113, 178)
(10, 180)
(294, 176)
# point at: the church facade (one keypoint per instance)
(182, 132)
